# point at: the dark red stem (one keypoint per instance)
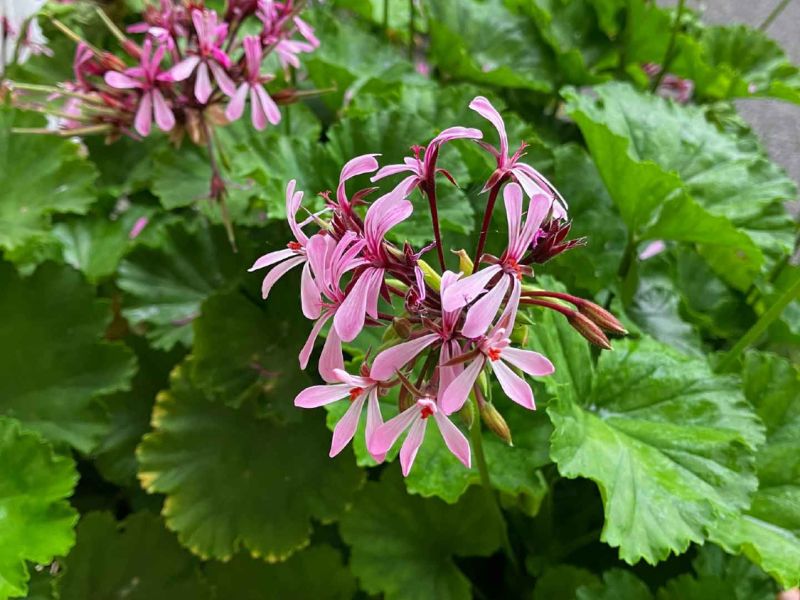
(559, 295)
(429, 188)
(487, 219)
(551, 305)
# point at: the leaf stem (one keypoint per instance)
(670, 47)
(487, 219)
(776, 12)
(483, 468)
(760, 326)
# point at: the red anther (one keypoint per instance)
(294, 246)
(355, 393)
(494, 353)
(427, 411)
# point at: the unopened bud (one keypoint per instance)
(519, 335)
(483, 383)
(495, 422)
(467, 414)
(588, 329)
(402, 327)
(405, 399)
(111, 62)
(285, 96)
(465, 264)
(390, 336)
(603, 318)
(132, 49)
(432, 278)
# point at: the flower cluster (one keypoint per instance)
(20, 33)
(194, 69)
(447, 328)
(670, 85)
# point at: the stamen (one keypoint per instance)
(494, 353)
(355, 393)
(427, 411)
(294, 246)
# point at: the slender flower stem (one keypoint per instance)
(385, 15)
(760, 326)
(670, 47)
(216, 180)
(480, 458)
(430, 192)
(774, 14)
(487, 219)
(411, 29)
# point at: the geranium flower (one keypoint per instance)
(262, 106)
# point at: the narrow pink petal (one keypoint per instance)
(481, 314)
(389, 170)
(138, 227)
(652, 249)
(455, 133)
(373, 293)
(386, 435)
(306, 31)
(408, 452)
(386, 212)
(183, 69)
(465, 290)
(202, 85)
(543, 183)
(270, 258)
(277, 272)
(310, 301)
(144, 115)
(268, 105)
(253, 54)
(308, 347)
(374, 419)
(454, 439)
(121, 81)
(331, 359)
(509, 316)
(395, 358)
(164, 117)
(512, 197)
(457, 392)
(359, 165)
(513, 385)
(224, 82)
(346, 427)
(538, 207)
(353, 380)
(529, 361)
(485, 109)
(319, 395)
(257, 115)
(236, 105)
(349, 319)
(450, 349)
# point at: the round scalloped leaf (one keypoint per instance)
(39, 176)
(36, 520)
(235, 481)
(136, 559)
(669, 443)
(55, 362)
(403, 546)
(319, 571)
(166, 281)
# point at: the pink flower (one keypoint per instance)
(209, 58)
(415, 420)
(278, 28)
(533, 182)
(520, 240)
(359, 390)
(146, 78)
(138, 227)
(494, 350)
(262, 106)
(652, 249)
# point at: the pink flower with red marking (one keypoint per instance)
(262, 107)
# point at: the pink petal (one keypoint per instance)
(359, 165)
(253, 54)
(164, 117)
(395, 358)
(481, 314)
(465, 290)
(268, 105)
(331, 359)
(389, 170)
(513, 385)
(512, 198)
(652, 249)
(386, 435)
(277, 272)
(270, 258)
(184, 69)
(509, 316)
(408, 452)
(346, 427)
(457, 392)
(310, 300)
(529, 361)
(144, 115)
(221, 77)
(138, 227)
(374, 419)
(121, 81)
(455, 133)
(236, 105)
(349, 319)
(308, 347)
(257, 115)
(450, 349)
(538, 207)
(353, 380)
(544, 183)
(319, 395)
(454, 439)
(386, 212)
(202, 85)
(485, 109)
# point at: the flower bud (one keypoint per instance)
(432, 278)
(402, 327)
(495, 422)
(519, 335)
(285, 96)
(603, 318)
(483, 383)
(588, 329)
(467, 414)
(465, 264)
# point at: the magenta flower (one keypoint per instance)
(495, 351)
(415, 420)
(209, 59)
(276, 33)
(146, 77)
(520, 240)
(262, 106)
(358, 390)
(533, 182)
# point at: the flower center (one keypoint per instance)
(294, 246)
(494, 353)
(355, 393)
(427, 411)
(513, 266)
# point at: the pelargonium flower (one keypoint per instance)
(262, 106)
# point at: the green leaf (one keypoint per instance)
(617, 585)
(403, 546)
(136, 559)
(769, 533)
(235, 481)
(749, 582)
(669, 444)
(36, 519)
(55, 362)
(562, 581)
(318, 571)
(166, 281)
(40, 176)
